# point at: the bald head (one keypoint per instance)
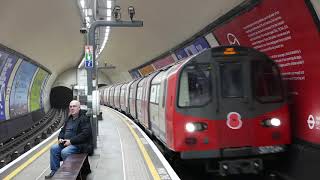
(74, 108)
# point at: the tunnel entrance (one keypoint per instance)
(60, 97)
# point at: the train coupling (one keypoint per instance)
(240, 166)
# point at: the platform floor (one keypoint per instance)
(123, 152)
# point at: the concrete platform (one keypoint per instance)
(123, 152)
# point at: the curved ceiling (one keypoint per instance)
(48, 31)
(44, 30)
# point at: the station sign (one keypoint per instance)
(88, 53)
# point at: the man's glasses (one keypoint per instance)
(73, 106)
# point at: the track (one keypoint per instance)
(18, 145)
(191, 172)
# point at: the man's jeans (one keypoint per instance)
(56, 153)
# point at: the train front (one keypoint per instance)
(230, 105)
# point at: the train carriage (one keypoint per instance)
(226, 102)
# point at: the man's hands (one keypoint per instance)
(65, 142)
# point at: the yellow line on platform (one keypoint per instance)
(146, 156)
(29, 161)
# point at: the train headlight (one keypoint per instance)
(190, 127)
(196, 126)
(273, 122)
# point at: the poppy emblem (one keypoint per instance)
(234, 120)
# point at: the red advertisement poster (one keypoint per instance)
(285, 30)
(163, 62)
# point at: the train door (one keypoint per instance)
(162, 106)
(101, 92)
(145, 101)
(123, 97)
(139, 100)
(105, 96)
(127, 98)
(133, 99)
(234, 103)
(117, 96)
(154, 103)
(111, 96)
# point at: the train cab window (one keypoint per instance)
(267, 82)
(195, 85)
(231, 80)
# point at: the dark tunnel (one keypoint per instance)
(60, 97)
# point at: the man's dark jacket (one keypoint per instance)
(83, 137)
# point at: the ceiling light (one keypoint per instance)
(82, 3)
(108, 12)
(109, 4)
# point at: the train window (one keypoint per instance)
(153, 94)
(267, 82)
(122, 93)
(195, 85)
(131, 93)
(231, 80)
(139, 93)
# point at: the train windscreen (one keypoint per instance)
(267, 82)
(231, 80)
(195, 85)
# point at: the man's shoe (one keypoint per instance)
(50, 175)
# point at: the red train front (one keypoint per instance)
(226, 103)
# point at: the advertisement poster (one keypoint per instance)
(35, 93)
(160, 63)
(135, 74)
(181, 54)
(146, 70)
(42, 90)
(285, 30)
(197, 46)
(3, 58)
(20, 89)
(7, 68)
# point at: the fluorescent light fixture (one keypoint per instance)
(82, 3)
(81, 63)
(109, 12)
(109, 4)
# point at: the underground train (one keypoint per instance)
(226, 103)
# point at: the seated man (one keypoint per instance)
(75, 137)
